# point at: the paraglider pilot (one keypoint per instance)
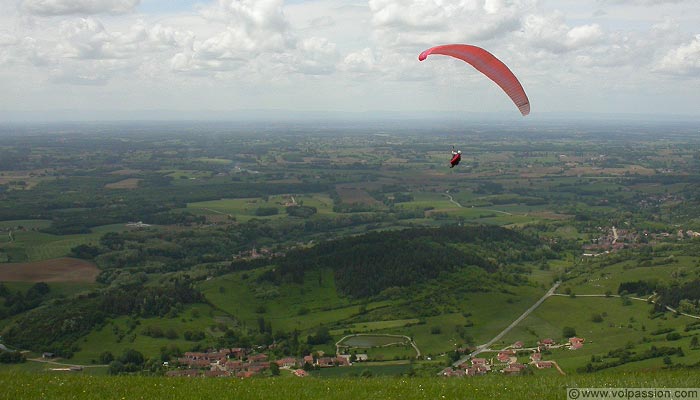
(456, 157)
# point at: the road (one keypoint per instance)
(498, 337)
(41, 360)
(413, 344)
(633, 298)
(461, 206)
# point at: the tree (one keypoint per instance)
(132, 356)
(274, 369)
(11, 357)
(116, 367)
(568, 332)
(322, 336)
(694, 343)
(106, 357)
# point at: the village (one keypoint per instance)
(244, 363)
(506, 360)
(616, 239)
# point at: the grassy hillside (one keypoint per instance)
(80, 386)
(628, 326)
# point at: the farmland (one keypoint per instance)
(289, 242)
(55, 270)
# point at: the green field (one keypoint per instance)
(375, 325)
(119, 334)
(367, 341)
(32, 245)
(83, 386)
(610, 277)
(244, 209)
(313, 303)
(621, 326)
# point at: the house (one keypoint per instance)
(503, 356)
(361, 357)
(543, 364)
(288, 362)
(246, 374)
(518, 345)
(324, 362)
(510, 370)
(517, 365)
(300, 373)
(535, 357)
(478, 361)
(258, 366)
(309, 360)
(547, 343)
(576, 343)
(257, 358)
(217, 374)
(234, 365)
(194, 362)
(184, 372)
(513, 369)
(345, 357)
(238, 352)
(342, 361)
(473, 371)
(482, 369)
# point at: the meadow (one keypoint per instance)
(82, 386)
(621, 326)
(31, 245)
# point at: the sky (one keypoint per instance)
(137, 59)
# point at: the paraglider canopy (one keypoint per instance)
(489, 65)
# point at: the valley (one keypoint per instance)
(123, 251)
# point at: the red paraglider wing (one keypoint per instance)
(489, 65)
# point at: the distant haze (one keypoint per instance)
(264, 59)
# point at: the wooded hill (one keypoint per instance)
(368, 264)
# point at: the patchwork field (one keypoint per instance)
(129, 183)
(56, 270)
(354, 195)
(32, 245)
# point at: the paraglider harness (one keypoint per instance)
(456, 157)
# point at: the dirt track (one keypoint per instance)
(56, 270)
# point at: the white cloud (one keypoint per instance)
(247, 29)
(683, 60)
(346, 53)
(362, 61)
(77, 7)
(315, 56)
(641, 2)
(402, 23)
(87, 38)
(551, 33)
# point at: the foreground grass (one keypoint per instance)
(68, 386)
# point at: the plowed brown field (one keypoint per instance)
(56, 270)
